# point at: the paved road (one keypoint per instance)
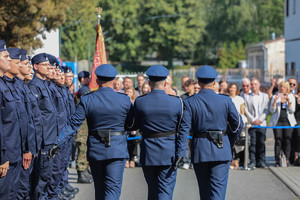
(258, 184)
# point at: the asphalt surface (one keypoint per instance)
(258, 184)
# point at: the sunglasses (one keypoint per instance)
(292, 84)
(245, 85)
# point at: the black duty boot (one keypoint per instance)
(84, 177)
(67, 194)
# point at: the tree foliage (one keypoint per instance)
(78, 33)
(22, 20)
(231, 54)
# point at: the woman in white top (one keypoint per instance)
(239, 102)
(282, 108)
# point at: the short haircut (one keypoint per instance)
(189, 82)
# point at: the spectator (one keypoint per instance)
(131, 144)
(146, 89)
(128, 83)
(140, 81)
(256, 110)
(293, 85)
(282, 108)
(168, 88)
(223, 86)
(118, 84)
(216, 88)
(197, 87)
(183, 80)
(190, 88)
(274, 87)
(245, 87)
(297, 130)
(239, 103)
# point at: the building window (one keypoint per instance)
(287, 7)
(293, 68)
(294, 7)
(286, 68)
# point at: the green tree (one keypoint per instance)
(79, 30)
(176, 30)
(231, 54)
(22, 20)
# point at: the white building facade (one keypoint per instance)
(292, 38)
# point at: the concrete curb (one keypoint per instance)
(288, 178)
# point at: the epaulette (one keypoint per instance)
(224, 95)
(122, 93)
(88, 93)
(142, 95)
(173, 95)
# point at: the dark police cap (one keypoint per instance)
(83, 74)
(53, 60)
(41, 57)
(15, 53)
(2, 46)
(106, 72)
(61, 69)
(157, 73)
(206, 74)
(23, 55)
(84, 90)
(67, 69)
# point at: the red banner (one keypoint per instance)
(99, 57)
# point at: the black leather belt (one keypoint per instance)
(96, 132)
(104, 135)
(206, 134)
(215, 136)
(159, 135)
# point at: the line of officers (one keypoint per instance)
(34, 109)
(164, 122)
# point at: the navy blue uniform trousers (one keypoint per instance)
(25, 182)
(42, 171)
(212, 178)
(161, 182)
(108, 176)
(8, 184)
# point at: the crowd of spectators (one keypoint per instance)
(253, 102)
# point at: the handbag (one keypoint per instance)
(282, 159)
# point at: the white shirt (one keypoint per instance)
(257, 101)
(238, 101)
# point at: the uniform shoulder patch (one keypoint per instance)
(173, 96)
(142, 95)
(122, 93)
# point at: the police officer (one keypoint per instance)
(206, 114)
(23, 90)
(40, 88)
(17, 88)
(107, 112)
(157, 115)
(11, 146)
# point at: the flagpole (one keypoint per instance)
(99, 11)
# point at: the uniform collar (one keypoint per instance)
(158, 91)
(8, 79)
(204, 90)
(105, 89)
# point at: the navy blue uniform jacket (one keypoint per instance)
(103, 109)
(158, 112)
(210, 111)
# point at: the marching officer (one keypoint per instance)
(207, 114)
(157, 116)
(11, 145)
(40, 88)
(107, 113)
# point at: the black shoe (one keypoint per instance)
(62, 197)
(71, 189)
(67, 194)
(84, 177)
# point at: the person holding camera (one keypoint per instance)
(282, 108)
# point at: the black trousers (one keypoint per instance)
(283, 138)
(257, 148)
